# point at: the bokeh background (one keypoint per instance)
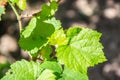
(101, 15)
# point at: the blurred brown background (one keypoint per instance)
(101, 15)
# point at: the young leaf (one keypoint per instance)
(58, 38)
(69, 74)
(84, 50)
(47, 11)
(47, 75)
(23, 70)
(20, 3)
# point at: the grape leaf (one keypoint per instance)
(83, 50)
(36, 34)
(58, 38)
(52, 65)
(69, 74)
(23, 70)
(47, 75)
(34, 37)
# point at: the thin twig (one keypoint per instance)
(29, 15)
(18, 17)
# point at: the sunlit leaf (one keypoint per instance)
(73, 75)
(23, 70)
(58, 38)
(83, 51)
(47, 75)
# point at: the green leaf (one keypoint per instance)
(54, 22)
(73, 32)
(46, 52)
(47, 11)
(21, 4)
(40, 28)
(35, 36)
(84, 50)
(52, 65)
(47, 75)
(28, 29)
(23, 70)
(58, 38)
(73, 75)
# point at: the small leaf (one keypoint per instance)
(83, 51)
(58, 38)
(21, 4)
(47, 11)
(47, 75)
(23, 70)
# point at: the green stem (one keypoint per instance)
(18, 16)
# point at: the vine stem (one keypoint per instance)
(18, 17)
